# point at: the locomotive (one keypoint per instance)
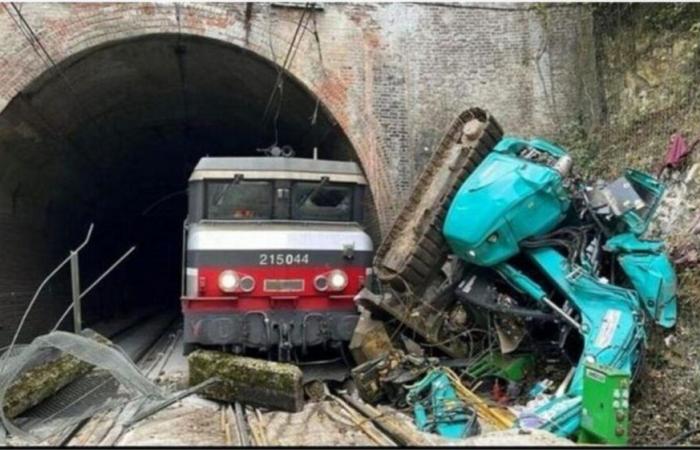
(274, 252)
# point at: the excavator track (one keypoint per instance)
(414, 249)
(412, 255)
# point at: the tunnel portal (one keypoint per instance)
(109, 136)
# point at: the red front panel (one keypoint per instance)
(212, 298)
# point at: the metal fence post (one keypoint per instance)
(75, 290)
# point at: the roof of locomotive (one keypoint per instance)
(277, 167)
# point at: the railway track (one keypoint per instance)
(141, 342)
(327, 421)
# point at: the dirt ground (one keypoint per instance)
(666, 399)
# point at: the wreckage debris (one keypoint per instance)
(369, 340)
(438, 409)
(515, 262)
(58, 357)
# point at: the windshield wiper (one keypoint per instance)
(236, 179)
(312, 193)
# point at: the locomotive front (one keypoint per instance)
(274, 253)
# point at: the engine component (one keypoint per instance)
(605, 406)
(438, 409)
(628, 203)
(385, 376)
(510, 367)
(476, 290)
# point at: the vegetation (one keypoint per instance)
(648, 57)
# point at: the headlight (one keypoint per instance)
(228, 280)
(337, 280)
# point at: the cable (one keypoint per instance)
(34, 38)
(283, 67)
(491, 8)
(42, 53)
(281, 85)
(323, 69)
(288, 59)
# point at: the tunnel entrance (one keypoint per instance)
(110, 136)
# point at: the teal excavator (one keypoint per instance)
(499, 231)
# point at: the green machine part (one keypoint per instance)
(605, 406)
(510, 367)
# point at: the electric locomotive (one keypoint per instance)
(274, 252)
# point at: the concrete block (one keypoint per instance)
(246, 380)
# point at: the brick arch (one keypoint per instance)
(81, 27)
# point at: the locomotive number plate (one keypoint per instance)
(283, 259)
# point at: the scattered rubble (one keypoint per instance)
(543, 262)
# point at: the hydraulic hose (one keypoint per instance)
(529, 313)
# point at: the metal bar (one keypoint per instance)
(169, 401)
(362, 423)
(241, 423)
(394, 429)
(89, 288)
(183, 265)
(106, 272)
(75, 292)
(563, 314)
(38, 291)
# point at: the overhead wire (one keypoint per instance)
(323, 67)
(278, 87)
(35, 41)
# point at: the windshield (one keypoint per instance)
(321, 201)
(239, 200)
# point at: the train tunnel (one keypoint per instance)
(110, 136)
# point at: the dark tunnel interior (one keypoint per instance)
(111, 135)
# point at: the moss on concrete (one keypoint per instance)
(248, 380)
(38, 383)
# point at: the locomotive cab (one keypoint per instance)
(274, 252)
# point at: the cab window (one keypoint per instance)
(239, 200)
(322, 201)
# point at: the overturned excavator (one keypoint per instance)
(499, 234)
